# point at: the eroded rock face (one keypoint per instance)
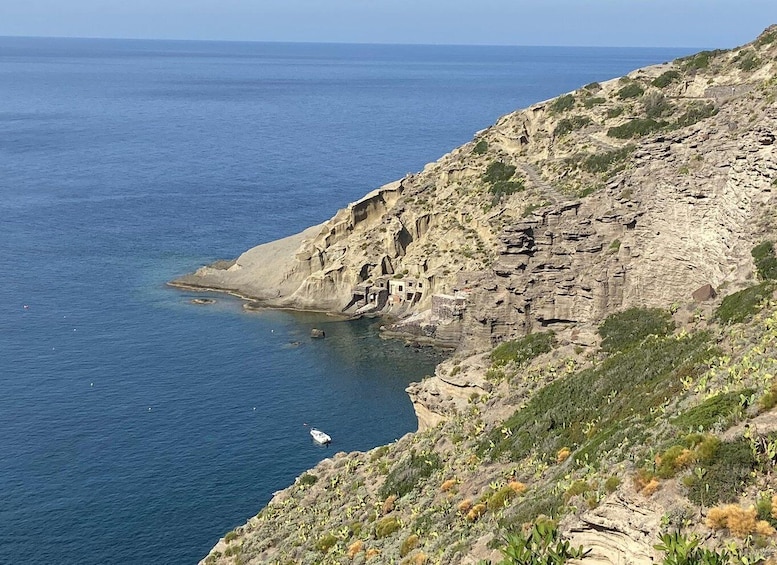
(678, 210)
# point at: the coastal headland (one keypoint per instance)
(580, 257)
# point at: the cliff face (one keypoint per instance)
(646, 191)
(634, 191)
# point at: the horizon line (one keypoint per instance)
(377, 43)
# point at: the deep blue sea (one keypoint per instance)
(135, 427)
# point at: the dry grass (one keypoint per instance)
(741, 522)
(448, 485)
(476, 512)
(388, 504)
(355, 548)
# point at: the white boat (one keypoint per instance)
(319, 436)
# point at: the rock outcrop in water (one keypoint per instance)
(645, 202)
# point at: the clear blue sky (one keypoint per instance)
(675, 23)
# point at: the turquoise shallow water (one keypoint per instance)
(136, 427)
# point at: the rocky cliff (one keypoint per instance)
(591, 238)
(633, 191)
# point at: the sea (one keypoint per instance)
(135, 426)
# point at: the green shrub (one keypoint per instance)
(577, 488)
(602, 162)
(749, 62)
(587, 191)
(230, 536)
(766, 39)
(656, 105)
(666, 78)
(615, 245)
(612, 484)
(498, 499)
(308, 479)
(406, 475)
(523, 350)
(626, 329)
(743, 305)
(765, 260)
(480, 147)
(504, 188)
(593, 86)
(636, 128)
(562, 104)
(711, 411)
(769, 398)
(326, 543)
(498, 171)
(700, 60)
(568, 125)
(631, 90)
(695, 113)
(615, 112)
(672, 460)
(387, 526)
(410, 543)
(723, 477)
(589, 103)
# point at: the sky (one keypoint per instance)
(617, 23)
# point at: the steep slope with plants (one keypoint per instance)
(597, 408)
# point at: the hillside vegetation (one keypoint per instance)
(593, 409)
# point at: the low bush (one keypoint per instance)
(696, 112)
(741, 522)
(666, 78)
(631, 90)
(498, 171)
(504, 188)
(308, 479)
(568, 125)
(743, 305)
(612, 484)
(723, 477)
(673, 460)
(656, 105)
(601, 162)
(325, 543)
(481, 147)
(592, 101)
(408, 473)
(636, 128)
(410, 543)
(562, 104)
(523, 350)
(749, 62)
(626, 329)
(766, 39)
(700, 60)
(577, 488)
(712, 411)
(500, 498)
(387, 526)
(765, 260)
